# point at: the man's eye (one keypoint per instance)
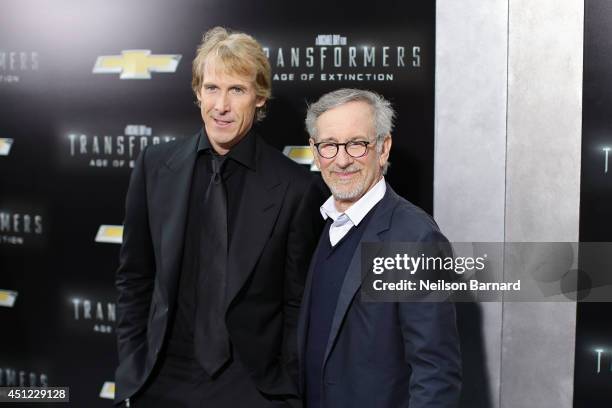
(237, 90)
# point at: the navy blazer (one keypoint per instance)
(387, 355)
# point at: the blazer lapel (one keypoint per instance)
(259, 206)
(380, 222)
(173, 195)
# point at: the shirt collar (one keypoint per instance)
(359, 209)
(243, 152)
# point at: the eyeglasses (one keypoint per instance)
(355, 149)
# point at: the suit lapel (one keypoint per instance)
(380, 222)
(259, 206)
(173, 195)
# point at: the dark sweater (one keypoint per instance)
(329, 271)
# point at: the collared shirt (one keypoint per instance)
(243, 152)
(237, 163)
(344, 221)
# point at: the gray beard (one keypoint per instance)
(352, 194)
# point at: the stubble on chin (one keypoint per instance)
(343, 193)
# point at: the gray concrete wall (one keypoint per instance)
(507, 167)
(542, 190)
(469, 167)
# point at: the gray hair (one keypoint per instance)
(382, 109)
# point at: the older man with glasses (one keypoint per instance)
(368, 354)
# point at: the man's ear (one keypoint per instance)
(315, 155)
(386, 148)
(260, 101)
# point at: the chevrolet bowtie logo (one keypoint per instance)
(108, 390)
(301, 155)
(136, 64)
(5, 146)
(7, 298)
(110, 234)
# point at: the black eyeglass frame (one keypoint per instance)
(364, 143)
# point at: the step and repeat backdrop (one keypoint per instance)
(84, 86)
(593, 372)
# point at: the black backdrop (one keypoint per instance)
(68, 135)
(594, 331)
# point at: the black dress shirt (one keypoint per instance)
(236, 163)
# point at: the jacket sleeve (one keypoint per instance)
(136, 272)
(304, 232)
(431, 346)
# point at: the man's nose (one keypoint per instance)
(343, 159)
(222, 102)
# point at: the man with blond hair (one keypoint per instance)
(217, 236)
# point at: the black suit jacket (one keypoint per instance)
(388, 355)
(274, 236)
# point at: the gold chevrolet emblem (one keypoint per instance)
(301, 155)
(108, 390)
(5, 146)
(136, 64)
(7, 298)
(110, 234)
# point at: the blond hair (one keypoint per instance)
(238, 54)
